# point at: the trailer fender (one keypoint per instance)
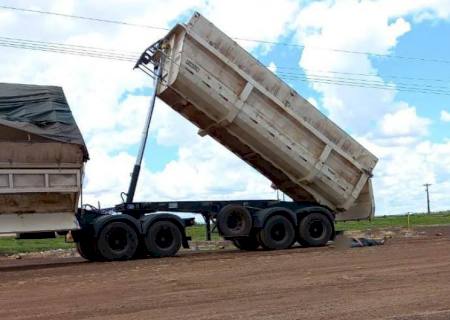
(261, 216)
(304, 211)
(148, 220)
(101, 221)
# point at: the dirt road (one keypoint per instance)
(406, 279)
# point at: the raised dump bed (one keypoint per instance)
(42, 155)
(231, 96)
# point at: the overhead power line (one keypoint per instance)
(101, 53)
(130, 24)
(374, 82)
(65, 49)
(369, 75)
(133, 55)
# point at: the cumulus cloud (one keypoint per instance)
(391, 129)
(313, 101)
(6, 18)
(106, 96)
(272, 67)
(445, 116)
(402, 171)
(252, 19)
(404, 122)
(107, 101)
(321, 25)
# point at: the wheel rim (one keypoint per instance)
(234, 221)
(316, 229)
(164, 237)
(117, 239)
(278, 232)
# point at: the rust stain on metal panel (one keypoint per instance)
(36, 203)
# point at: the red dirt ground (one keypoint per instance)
(406, 279)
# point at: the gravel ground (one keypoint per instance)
(406, 279)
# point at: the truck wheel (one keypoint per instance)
(163, 239)
(248, 244)
(86, 249)
(315, 230)
(278, 233)
(234, 221)
(117, 241)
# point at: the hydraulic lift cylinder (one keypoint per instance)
(140, 156)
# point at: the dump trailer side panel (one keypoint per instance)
(42, 157)
(229, 95)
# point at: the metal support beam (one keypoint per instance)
(207, 218)
(137, 167)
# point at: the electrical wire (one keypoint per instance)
(374, 82)
(337, 50)
(129, 24)
(382, 86)
(66, 48)
(369, 75)
(95, 52)
(133, 56)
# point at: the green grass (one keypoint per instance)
(198, 232)
(439, 218)
(9, 245)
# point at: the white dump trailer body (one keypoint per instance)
(42, 156)
(231, 96)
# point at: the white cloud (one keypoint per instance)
(272, 67)
(445, 116)
(110, 114)
(102, 92)
(404, 168)
(392, 129)
(404, 122)
(252, 19)
(313, 101)
(6, 18)
(106, 177)
(321, 25)
(205, 170)
(400, 188)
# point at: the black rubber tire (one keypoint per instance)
(247, 244)
(277, 233)
(315, 230)
(117, 241)
(141, 252)
(86, 249)
(234, 221)
(163, 239)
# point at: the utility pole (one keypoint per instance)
(427, 185)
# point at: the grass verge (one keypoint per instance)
(439, 218)
(10, 245)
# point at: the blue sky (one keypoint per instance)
(109, 99)
(426, 39)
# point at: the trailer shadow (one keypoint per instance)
(37, 264)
